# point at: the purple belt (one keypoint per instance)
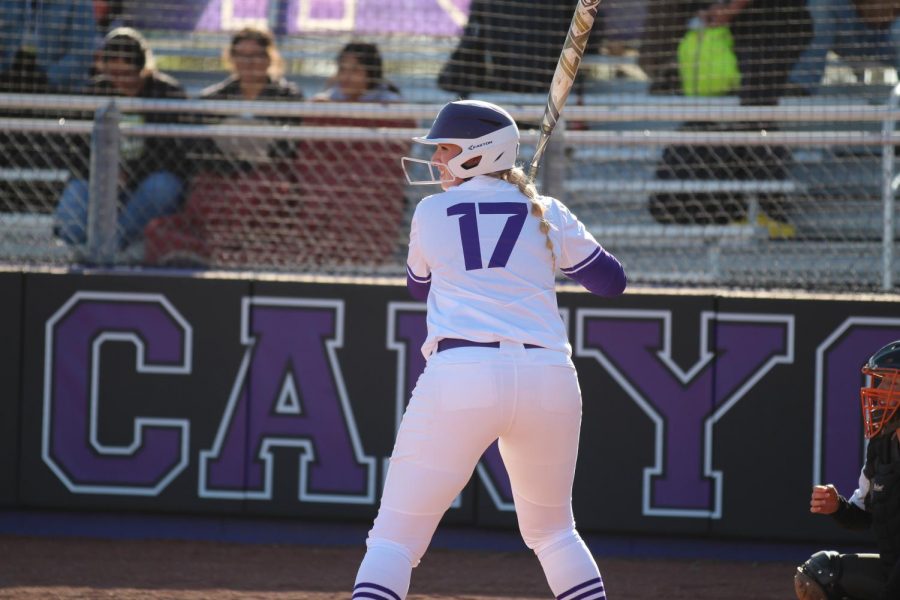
(450, 343)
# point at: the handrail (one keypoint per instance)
(528, 136)
(688, 110)
(71, 126)
(694, 186)
(90, 103)
(42, 175)
(723, 138)
(659, 231)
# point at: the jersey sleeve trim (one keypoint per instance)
(593, 256)
(418, 286)
(417, 278)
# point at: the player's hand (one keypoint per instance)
(824, 500)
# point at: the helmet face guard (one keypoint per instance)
(482, 130)
(880, 398)
(424, 172)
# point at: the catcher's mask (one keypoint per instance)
(881, 396)
(483, 130)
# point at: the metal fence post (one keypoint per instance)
(104, 182)
(553, 183)
(888, 187)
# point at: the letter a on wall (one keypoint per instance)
(289, 393)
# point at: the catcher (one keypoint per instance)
(828, 575)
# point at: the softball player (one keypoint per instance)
(484, 253)
(828, 575)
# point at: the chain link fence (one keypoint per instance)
(774, 168)
(806, 203)
(680, 197)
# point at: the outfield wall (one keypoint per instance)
(707, 415)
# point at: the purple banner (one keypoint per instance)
(225, 397)
(367, 17)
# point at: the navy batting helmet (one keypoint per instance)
(483, 130)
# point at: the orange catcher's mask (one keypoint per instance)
(881, 396)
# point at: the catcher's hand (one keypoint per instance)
(824, 500)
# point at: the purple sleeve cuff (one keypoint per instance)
(600, 273)
(418, 286)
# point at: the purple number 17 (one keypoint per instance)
(468, 230)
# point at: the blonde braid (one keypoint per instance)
(518, 178)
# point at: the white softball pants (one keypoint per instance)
(464, 400)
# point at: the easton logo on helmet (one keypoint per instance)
(487, 143)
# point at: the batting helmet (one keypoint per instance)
(881, 396)
(483, 130)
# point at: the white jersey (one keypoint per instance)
(491, 274)
(859, 494)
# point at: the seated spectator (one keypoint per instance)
(257, 71)
(360, 77)
(304, 213)
(769, 37)
(153, 168)
(45, 46)
(665, 25)
(623, 25)
(764, 68)
(511, 46)
(866, 30)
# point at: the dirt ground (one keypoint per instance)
(65, 568)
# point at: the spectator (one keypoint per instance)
(360, 77)
(302, 212)
(45, 46)
(854, 30)
(511, 47)
(153, 168)
(623, 23)
(769, 36)
(257, 73)
(257, 70)
(665, 24)
(347, 177)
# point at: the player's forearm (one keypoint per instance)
(601, 274)
(850, 516)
